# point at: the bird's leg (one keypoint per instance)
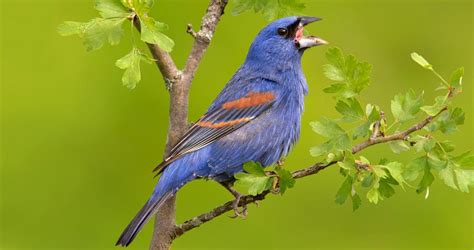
(237, 212)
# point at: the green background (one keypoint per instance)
(77, 148)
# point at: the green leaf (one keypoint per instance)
(254, 181)
(271, 9)
(421, 61)
(447, 176)
(396, 169)
(95, 32)
(139, 6)
(423, 143)
(321, 149)
(344, 190)
(69, 28)
(448, 121)
(374, 195)
(254, 168)
(426, 181)
(373, 114)
(356, 201)
(385, 190)
(398, 146)
(151, 32)
(368, 180)
(456, 80)
(286, 180)
(131, 64)
(464, 160)
(338, 138)
(405, 107)
(465, 179)
(440, 103)
(415, 168)
(111, 8)
(351, 75)
(350, 109)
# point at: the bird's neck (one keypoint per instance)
(276, 69)
(286, 72)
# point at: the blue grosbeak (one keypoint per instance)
(256, 117)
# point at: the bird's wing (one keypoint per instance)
(219, 122)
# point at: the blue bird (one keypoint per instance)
(256, 117)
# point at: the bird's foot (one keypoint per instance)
(238, 212)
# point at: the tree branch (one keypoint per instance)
(178, 83)
(311, 170)
(163, 60)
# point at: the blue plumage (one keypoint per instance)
(256, 117)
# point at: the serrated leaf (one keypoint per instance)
(423, 143)
(373, 114)
(415, 168)
(344, 190)
(421, 61)
(69, 28)
(465, 179)
(350, 109)
(356, 202)
(139, 6)
(111, 8)
(338, 138)
(322, 149)
(448, 121)
(426, 181)
(456, 80)
(465, 159)
(254, 181)
(447, 176)
(286, 180)
(95, 32)
(373, 195)
(270, 9)
(368, 180)
(396, 171)
(405, 107)
(254, 168)
(385, 190)
(151, 32)
(252, 184)
(351, 75)
(398, 146)
(131, 64)
(440, 103)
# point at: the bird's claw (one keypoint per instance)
(239, 212)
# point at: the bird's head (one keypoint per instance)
(283, 41)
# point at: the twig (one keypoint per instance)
(311, 170)
(189, 30)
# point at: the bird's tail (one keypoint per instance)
(171, 180)
(150, 208)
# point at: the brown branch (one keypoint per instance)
(163, 60)
(178, 83)
(311, 170)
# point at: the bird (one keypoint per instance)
(256, 117)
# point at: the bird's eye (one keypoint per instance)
(282, 31)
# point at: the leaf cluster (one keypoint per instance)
(255, 180)
(108, 28)
(349, 77)
(270, 9)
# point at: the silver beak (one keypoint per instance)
(311, 41)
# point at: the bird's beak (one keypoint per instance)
(303, 42)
